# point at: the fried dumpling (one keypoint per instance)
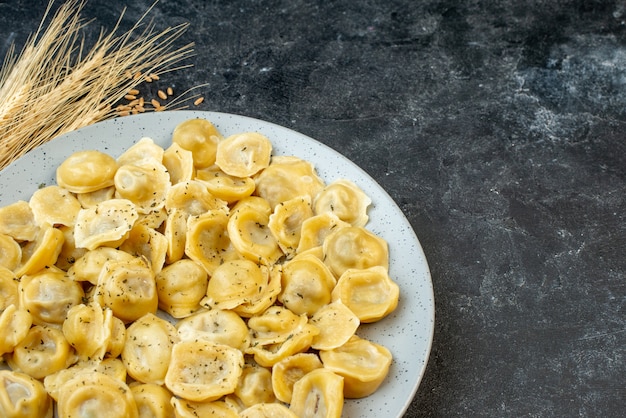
(106, 224)
(86, 171)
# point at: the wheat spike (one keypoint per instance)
(53, 86)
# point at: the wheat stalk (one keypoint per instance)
(53, 86)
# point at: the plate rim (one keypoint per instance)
(212, 116)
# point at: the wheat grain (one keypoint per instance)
(54, 85)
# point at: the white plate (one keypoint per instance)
(407, 332)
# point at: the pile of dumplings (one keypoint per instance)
(208, 278)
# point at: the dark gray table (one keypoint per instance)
(499, 129)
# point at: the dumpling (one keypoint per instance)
(200, 137)
(89, 394)
(9, 293)
(249, 231)
(286, 221)
(175, 232)
(153, 401)
(306, 284)
(287, 177)
(207, 241)
(10, 252)
(112, 367)
(48, 295)
(88, 330)
(54, 205)
(146, 354)
(146, 243)
(279, 333)
(69, 253)
(193, 198)
(354, 247)
(86, 171)
(88, 267)
(315, 229)
(106, 224)
(180, 287)
(144, 183)
(255, 385)
(344, 199)
(43, 351)
(337, 324)
(216, 409)
(128, 288)
(179, 163)
(216, 325)
(267, 410)
(42, 252)
(235, 283)
(90, 199)
(21, 396)
(244, 154)
(318, 394)
(143, 150)
(363, 364)
(288, 371)
(18, 221)
(202, 371)
(223, 186)
(15, 324)
(369, 293)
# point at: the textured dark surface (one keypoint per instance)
(497, 127)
